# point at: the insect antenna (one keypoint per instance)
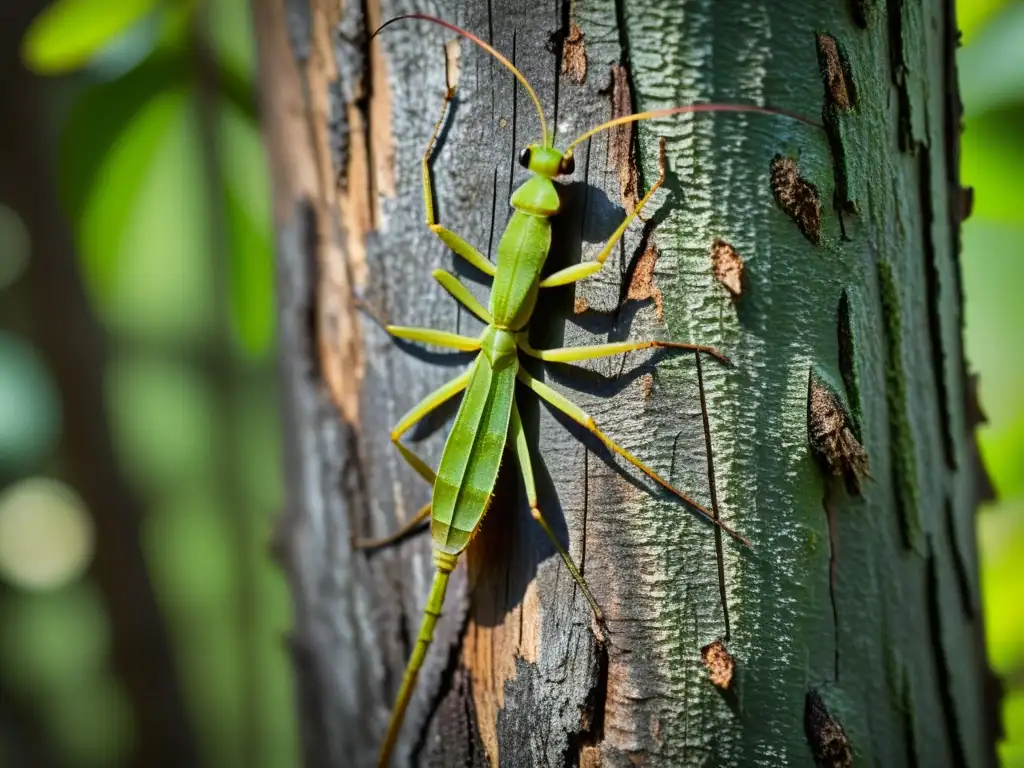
(691, 108)
(489, 49)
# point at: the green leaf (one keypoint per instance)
(69, 32)
(248, 225)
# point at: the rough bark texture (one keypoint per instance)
(850, 630)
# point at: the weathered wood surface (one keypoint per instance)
(853, 620)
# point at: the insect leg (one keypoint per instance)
(408, 527)
(461, 294)
(449, 238)
(421, 409)
(517, 438)
(438, 338)
(580, 271)
(575, 354)
(432, 401)
(578, 415)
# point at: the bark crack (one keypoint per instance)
(897, 63)
(959, 564)
(942, 671)
(933, 296)
(714, 497)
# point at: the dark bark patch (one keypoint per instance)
(309, 305)
(829, 743)
(574, 55)
(584, 744)
(840, 97)
(455, 736)
(858, 9)
(901, 436)
(622, 148)
(898, 65)
(641, 286)
(833, 441)
(835, 73)
(728, 267)
(797, 197)
(965, 202)
(847, 359)
(719, 663)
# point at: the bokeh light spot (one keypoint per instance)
(46, 534)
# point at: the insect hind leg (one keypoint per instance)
(517, 439)
(578, 415)
(431, 402)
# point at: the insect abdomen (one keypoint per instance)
(472, 455)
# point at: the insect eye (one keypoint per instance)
(524, 157)
(568, 164)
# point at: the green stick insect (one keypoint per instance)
(488, 419)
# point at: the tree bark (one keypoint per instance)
(839, 441)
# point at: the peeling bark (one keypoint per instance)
(851, 635)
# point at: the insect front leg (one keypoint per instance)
(580, 271)
(517, 439)
(578, 415)
(449, 238)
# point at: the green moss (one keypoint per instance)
(901, 437)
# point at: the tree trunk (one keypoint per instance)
(822, 261)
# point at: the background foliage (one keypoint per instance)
(162, 179)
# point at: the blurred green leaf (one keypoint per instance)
(54, 640)
(1001, 534)
(190, 550)
(135, 189)
(1002, 448)
(992, 265)
(972, 15)
(247, 212)
(163, 421)
(164, 289)
(992, 161)
(228, 27)
(107, 146)
(69, 32)
(93, 722)
(992, 66)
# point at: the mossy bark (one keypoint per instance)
(849, 633)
